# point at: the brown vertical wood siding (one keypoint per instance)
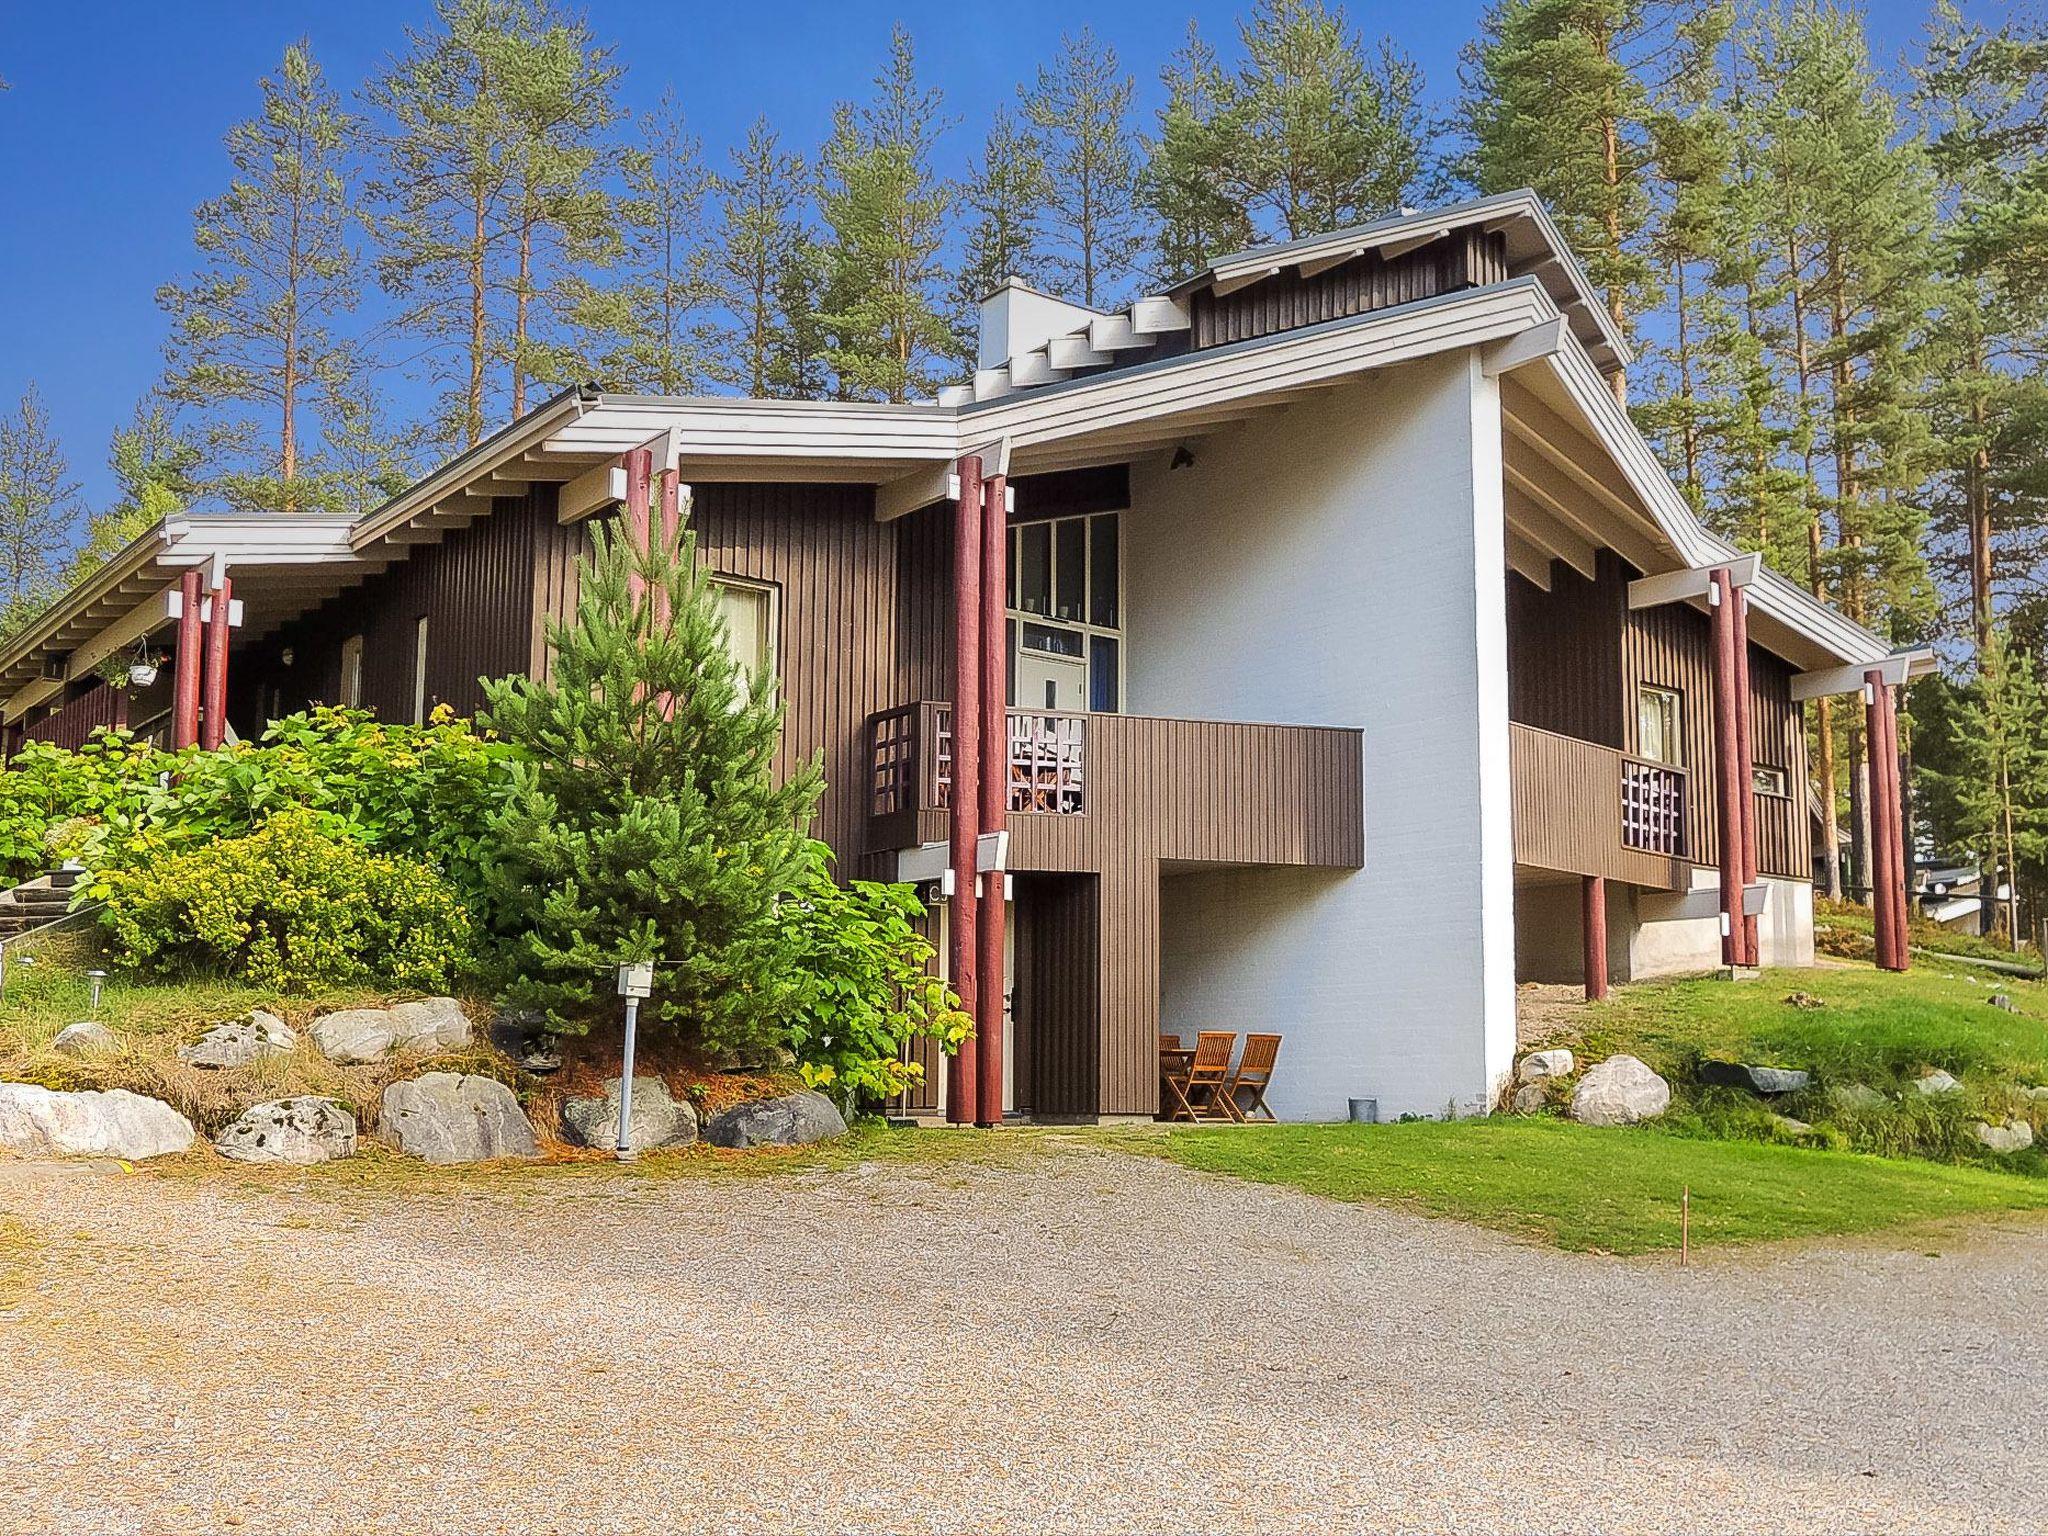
(476, 591)
(1287, 301)
(1568, 811)
(1577, 656)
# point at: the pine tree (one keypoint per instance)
(798, 361)
(1195, 219)
(559, 83)
(488, 193)
(1005, 194)
(1981, 96)
(1559, 97)
(1322, 135)
(369, 458)
(1845, 204)
(1306, 135)
(39, 509)
(644, 820)
(156, 472)
(1079, 110)
(886, 211)
(643, 332)
(254, 341)
(762, 201)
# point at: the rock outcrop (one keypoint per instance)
(36, 1122)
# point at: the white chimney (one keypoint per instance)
(1016, 319)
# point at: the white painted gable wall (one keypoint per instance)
(1342, 564)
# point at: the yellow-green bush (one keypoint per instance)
(291, 907)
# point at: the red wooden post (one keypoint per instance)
(963, 1093)
(639, 492)
(1593, 921)
(185, 680)
(1727, 766)
(1886, 863)
(994, 797)
(213, 707)
(1752, 949)
(671, 531)
(1895, 816)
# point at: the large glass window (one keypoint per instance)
(1659, 735)
(1066, 589)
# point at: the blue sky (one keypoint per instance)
(111, 133)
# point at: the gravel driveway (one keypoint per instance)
(1069, 1342)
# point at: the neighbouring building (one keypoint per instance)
(1328, 644)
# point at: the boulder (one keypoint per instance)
(2013, 1136)
(1768, 1081)
(429, 1024)
(239, 1042)
(2001, 1001)
(788, 1121)
(450, 1117)
(303, 1130)
(1538, 1065)
(1620, 1091)
(86, 1038)
(1804, 1000)
(353, 1036)
(115, 1123)
(2033, 1092)
(658, 1120)
(1857, 1096)
(1530, 1098)
(1790, 1126)
(1937, 1081)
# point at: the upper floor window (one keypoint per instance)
(1066, 611)
(1659, 722)
(749, 611)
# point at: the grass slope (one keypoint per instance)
(1586, 1189)
(1857, 1028)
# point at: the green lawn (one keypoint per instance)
(1613, 1191)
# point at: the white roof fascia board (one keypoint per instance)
(1115, 333)
(505, 445)
(1531, 346)
(141, 551)
(1770, 593)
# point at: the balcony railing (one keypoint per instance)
(912, 748)
(102, 707)
(1582, 808)
(1653, 806)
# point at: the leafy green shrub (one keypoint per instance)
(866, 993)
(291, 906)
(424, 792)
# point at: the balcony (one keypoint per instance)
(1086, 787)
(1584, 809)
(101, 707)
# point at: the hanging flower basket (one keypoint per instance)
(142, 674)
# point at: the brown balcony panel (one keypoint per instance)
(1585, 809)
(1087, 788)
(99, 708)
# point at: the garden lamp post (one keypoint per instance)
(96, 978)
(636, 981)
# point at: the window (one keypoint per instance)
(1658, 735)
(352, 672)
(1066, 604)
(1767, 780)
(419, 671)
(749, 611)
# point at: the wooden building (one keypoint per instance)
(1314, 646)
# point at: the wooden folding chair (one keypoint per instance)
(1254, 1075)
(1174, 1060)
(1209, 1076)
